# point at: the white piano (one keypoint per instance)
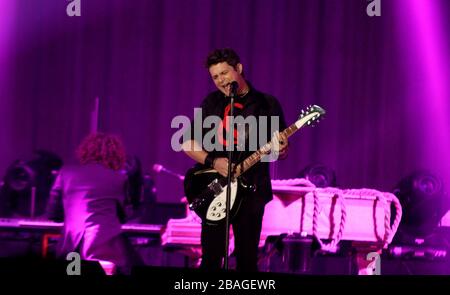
(362, 216)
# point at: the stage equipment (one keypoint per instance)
(424, 202)
(26, 185)
(319, 174)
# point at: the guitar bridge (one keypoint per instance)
(215, 186)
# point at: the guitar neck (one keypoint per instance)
(264, 150)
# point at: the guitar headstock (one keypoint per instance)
(313, 114)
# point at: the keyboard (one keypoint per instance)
(13, 223)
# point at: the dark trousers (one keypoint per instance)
(246, 229)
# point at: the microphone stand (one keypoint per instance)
(230, 157)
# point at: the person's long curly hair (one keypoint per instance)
(104, 149)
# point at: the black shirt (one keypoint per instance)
(253, 109)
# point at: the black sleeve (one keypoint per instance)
(275, 110)
(278, 111)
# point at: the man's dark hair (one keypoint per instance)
(227, 55)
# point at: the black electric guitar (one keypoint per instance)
(206, 189)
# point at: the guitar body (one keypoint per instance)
(206, 192)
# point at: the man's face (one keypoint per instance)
(223, 74)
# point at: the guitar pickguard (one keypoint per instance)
(217, 209)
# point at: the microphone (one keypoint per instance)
(158, 168)
(233, 88)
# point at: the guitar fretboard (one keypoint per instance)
(312, 114)
(265, 149)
